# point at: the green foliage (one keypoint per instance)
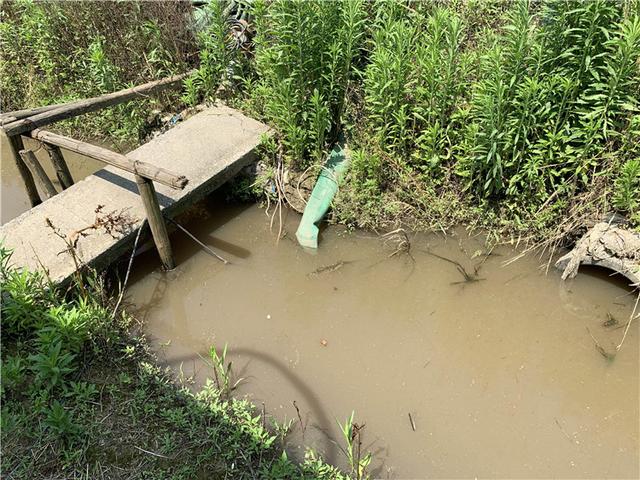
(627, 189)
(351, 434)
(58, 51)
(81, 391)
(214, 56)
(303, 60)
(498, 106)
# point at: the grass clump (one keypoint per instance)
(82, 398)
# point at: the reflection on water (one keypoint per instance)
(500, 376)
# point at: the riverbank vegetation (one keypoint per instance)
(84, 398)
(54, 52)
(517, 116)
(521, 117)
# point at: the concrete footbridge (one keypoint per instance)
(96, 220)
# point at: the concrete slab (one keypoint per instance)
(208, 148)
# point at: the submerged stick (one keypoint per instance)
(631, 318)
(600, 348)
(206, 248)
(126, 277)
(303, 428)
(459, 267)
(413, 424)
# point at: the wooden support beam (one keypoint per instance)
(27, 179)
(74, 109)
(156, 221)
(105, 155)
(46, 186)
(60, 166)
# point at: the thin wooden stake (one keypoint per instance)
(193, 237)
(29, 185)
(38, 173)
(156, 221)
(60, 166)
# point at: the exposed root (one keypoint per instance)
(399, 239)
(468, 277)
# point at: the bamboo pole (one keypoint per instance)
(105, 155)
(38, 173)
(8, 117)
(89, 105)
(29, 185)
(60, 166)
(156, 221)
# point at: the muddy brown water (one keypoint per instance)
(500, 376)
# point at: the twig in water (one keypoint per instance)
(631, 318)
(126, 277)
(603, 352)
(571, 439)
(413, 424)
(467, 277)
(303, 427)
(206, 248)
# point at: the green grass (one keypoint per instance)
(83, 398)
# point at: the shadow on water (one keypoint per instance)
(495, 370)
(311, 400)
(604, 274)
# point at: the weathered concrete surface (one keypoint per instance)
(605, 245)
(208, 148)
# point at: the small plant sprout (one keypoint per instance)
(352, 435)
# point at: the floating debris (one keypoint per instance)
(611, 321)
(329, 268)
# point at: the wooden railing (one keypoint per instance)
(29, 122)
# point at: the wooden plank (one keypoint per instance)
(27, 179)
(90, 105)
(156, 221)
(60, 166)
(105, 155)
(46, 186)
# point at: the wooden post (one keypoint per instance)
(156, 222)
(62, 170)
(38, 173)
(29, 185)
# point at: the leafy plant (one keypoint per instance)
(59, 421)
(627, 188)
(51, 365)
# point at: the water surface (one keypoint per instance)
(501, 376)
